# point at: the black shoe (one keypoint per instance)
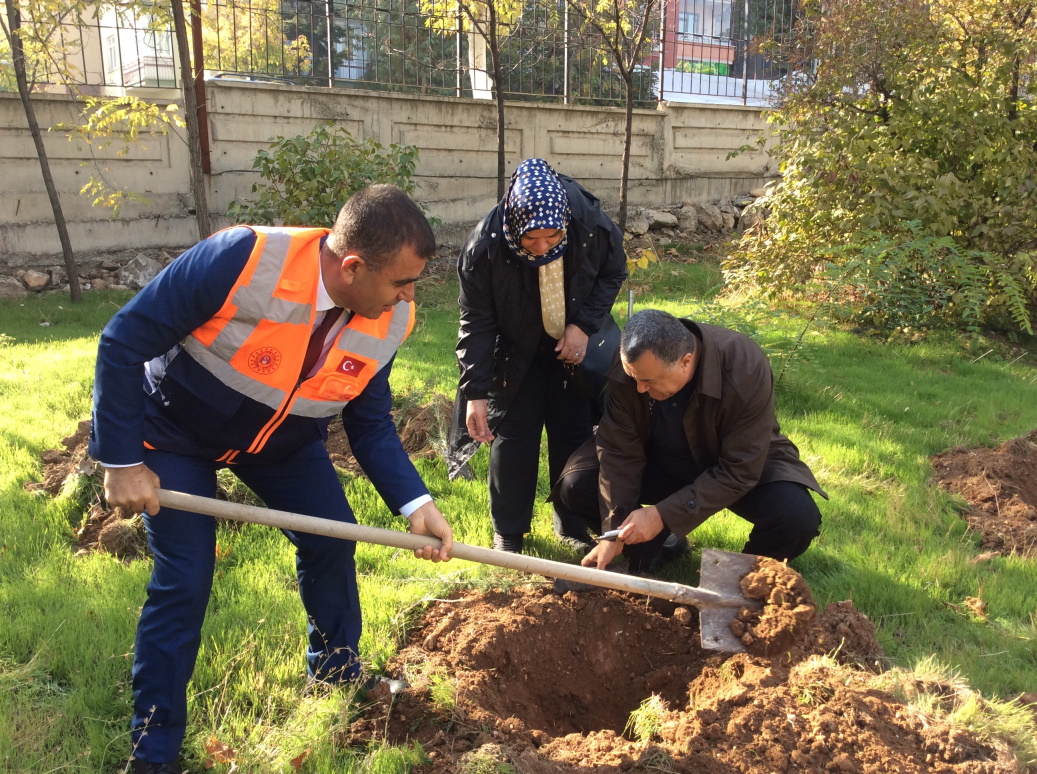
(582, 544)
(137, 766)
(672, 549)
(510, 543)
(571, 531)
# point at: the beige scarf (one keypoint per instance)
(552, 297)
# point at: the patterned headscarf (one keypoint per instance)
(535, 200)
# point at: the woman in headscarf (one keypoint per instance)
(539, 276)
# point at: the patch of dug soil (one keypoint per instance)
(62, 465)
(108, 530)
(419, 427)
(547, 683)
(1001, 489)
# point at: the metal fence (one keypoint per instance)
(698, 50)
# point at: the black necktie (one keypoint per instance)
(317, 338)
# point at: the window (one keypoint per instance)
(705, 18)
(688, 23)
(111, 54)
(722, 20)
(159, 41)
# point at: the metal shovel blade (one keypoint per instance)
(722, 573)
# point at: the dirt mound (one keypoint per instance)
(1001, 489)
(609, 682)
(61, 466)
(103, 529)
(787, 612)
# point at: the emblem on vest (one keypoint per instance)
(351, 367)
(265, 360)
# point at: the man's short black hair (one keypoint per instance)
(377, 222)
(658, 332)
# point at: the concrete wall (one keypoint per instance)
(156, 168)
(679, 152)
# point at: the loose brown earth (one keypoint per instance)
(1000, 485)
(531, 680)
(787, 613)
(543, 682)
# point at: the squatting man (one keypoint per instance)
(689, 429)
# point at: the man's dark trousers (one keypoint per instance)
(184, 546)
(784, 516)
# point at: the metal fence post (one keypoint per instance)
(565, 60)
(331, 58)
(662, 47)
(458, 37)
(745, 55)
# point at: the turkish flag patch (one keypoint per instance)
(351, 367)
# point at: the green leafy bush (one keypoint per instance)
(907, 134)
(309, 177)
(918, 281)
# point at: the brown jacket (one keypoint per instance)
(731, 428)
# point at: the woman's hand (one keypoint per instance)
(475, 421)
(572, 347)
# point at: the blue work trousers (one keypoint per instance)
(184, 546)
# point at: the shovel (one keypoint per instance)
(719, 598)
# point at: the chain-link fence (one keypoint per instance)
(544, 50)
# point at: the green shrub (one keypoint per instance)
(920, 281)
(309, 177)
(911, 120)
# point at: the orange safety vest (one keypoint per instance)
(257, 341)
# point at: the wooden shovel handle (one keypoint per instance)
(674, 592)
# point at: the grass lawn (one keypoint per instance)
(865, 415)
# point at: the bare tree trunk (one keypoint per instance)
(18, 55)
(498, 94)
(628, 132)
(194, 143)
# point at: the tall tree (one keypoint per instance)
(45, 37)
(13, 33)
(194, 146)
(623, 26)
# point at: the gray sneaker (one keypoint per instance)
(510, 543)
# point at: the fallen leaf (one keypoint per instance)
(296, 762)
(977, 606)
(219, 752)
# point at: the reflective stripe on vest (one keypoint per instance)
(363, 344)
(256, 343)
